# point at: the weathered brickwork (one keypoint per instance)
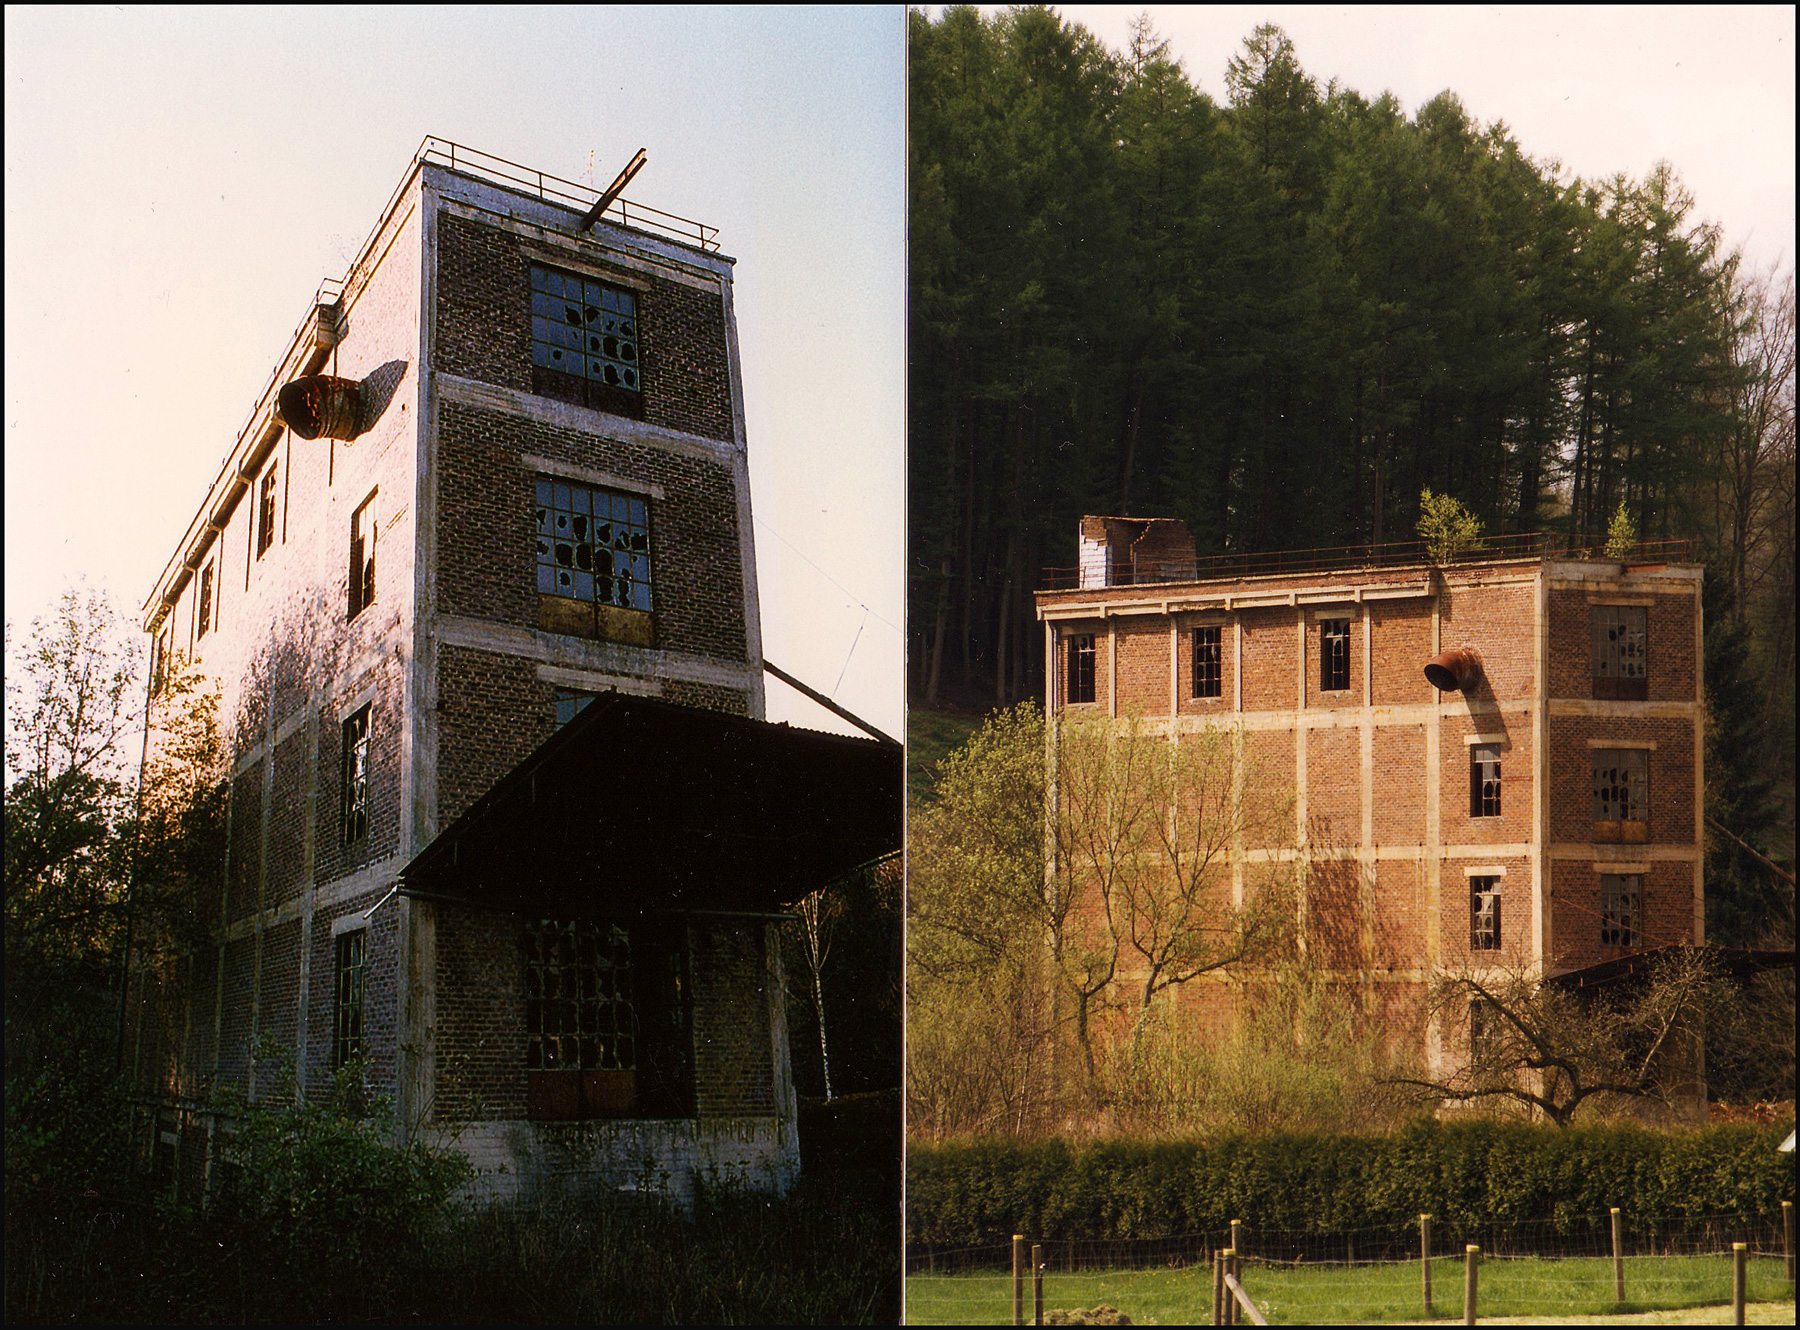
(446, 300)
(492, 712)
(1400, 638)
(484, 328)
(733, 1057)
(1270, 659)
(1391, 895)
(1397, 763)
(481, 1007)
(1143, 649)
(487, 529)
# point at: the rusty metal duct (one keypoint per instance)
(322, 405)
(1454, 671)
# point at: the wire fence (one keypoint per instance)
(1570, 1266)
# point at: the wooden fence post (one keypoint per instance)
(1018, 1279)
(1787, 1238)
(1218, 1305)
(1739, 1251)
(1425, 1260)
(1618, 1237)
(1471, 1257)
(1231, 1271)
(1037, 1283)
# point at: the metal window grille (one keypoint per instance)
(579, 1013)
(584, 329)
(1620, 920)
(1621, 785)
(347, 1026)
(362, 558)
(1484, 780)
(593, 545)
(1621, 651)
(265, 512)
(1484, 914)
(1334, 655)
(1209, 674)
(356, 777)
(206, 600)
(1081, 668)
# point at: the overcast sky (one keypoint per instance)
(179, 181)
(1603, 90)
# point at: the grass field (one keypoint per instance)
(1537, 1291)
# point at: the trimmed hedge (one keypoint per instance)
(1466, 1173)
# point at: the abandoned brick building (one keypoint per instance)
(506, 828)
(1491, 761)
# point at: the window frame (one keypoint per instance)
(1621, 909)
(547, 490)
(626, 1028)
(354, 809)
(1208, 660)
(1334, 655)
(1626, 791)
(1485, 922)
(1484, 787)
(586, 388)
(360, 582)
(266, 509)
(1620, 652)
(203, 599)
(1081, 670)
(351, 952)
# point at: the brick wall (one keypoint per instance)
(1665, 902)
(1500, 622)
(484, 328)
(1669, 624)
(492, 712)
(1401, 644)
(1397, 762)
(487, 542)
(1399, 923)
(1143, 646)
(1517, 761)
(1671, 767)
(1334, 786)
(733, 1057)
(481, 1017)
(1516, 913)
(1269, 660)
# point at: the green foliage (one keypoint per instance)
(1447, 528)
(1467, 1174)
(1621, 533)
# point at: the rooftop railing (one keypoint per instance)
(1397, 554)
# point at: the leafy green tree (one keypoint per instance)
(1447, 528)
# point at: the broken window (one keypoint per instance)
(1621, 785)
(570, 703)
(1484, 780)
(584, 340)
(1621, 652)
(362, 557)
(593, 545)
(356, 777)
(1484, 914)
(205, 600)
(347, 1025)
(607, 1030)
(1081, 667)
(1334, 655)
(1620, 894)
(1209, 674)
(265, 512)
(1485, 1036)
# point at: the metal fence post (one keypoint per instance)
(1037, 1284)
(1471, 1258)
(1425, 1259)
(1018, 1279)
(1618, 1237)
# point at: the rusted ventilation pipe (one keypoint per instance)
(1454, 671)
(322, 405)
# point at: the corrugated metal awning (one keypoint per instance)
(638, 805)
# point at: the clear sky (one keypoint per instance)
(179, 181)
(1603, 90)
